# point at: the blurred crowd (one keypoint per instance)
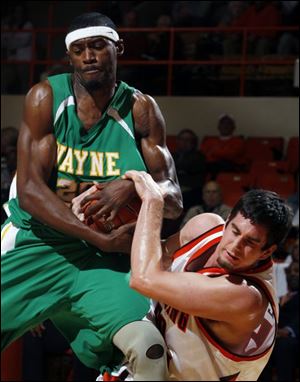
(21, 46)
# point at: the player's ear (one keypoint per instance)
(68, 55)
(120, 47)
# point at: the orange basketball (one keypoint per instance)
(127, 214)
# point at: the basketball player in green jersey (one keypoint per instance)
(78, 129)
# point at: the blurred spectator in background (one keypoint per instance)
(212, 202)
(282, 260)
(232, 42)
(9, 138)
(192, 13)
(16, 45)
(226, 153)
(47, 355)
(295, 221)
(135, 42)
(158, 42)
(283, 257)
(295, 251)
(190, 167)
(293, 202)
(135, 47)
(288, 43)
(149, 11)
(257, 14)
(286, 351)
(262, 14)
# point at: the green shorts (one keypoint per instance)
(86, 293)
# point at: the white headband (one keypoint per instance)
(78, 34)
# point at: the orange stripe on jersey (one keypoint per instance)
(261, 266)
(225, 352)
(211, 339)
(197, 240)
(214, 271)
(203, 249)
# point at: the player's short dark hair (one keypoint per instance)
(268, 209)
(91, 19)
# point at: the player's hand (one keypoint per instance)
(110, 197)
(120, 239)
(76, 206)
(145, 186)
(38, 330)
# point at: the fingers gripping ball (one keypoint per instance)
(125, 215)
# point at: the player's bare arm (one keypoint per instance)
(150, 131)
(192, 229)
(150, 126)
(36, 162)
(189, 292)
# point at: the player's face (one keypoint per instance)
(242, 243)
(94, 61)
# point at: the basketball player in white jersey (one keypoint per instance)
(213, 282)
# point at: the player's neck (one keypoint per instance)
(100, 97)
(212, 260)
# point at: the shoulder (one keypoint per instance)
(147, 115)
(38, 109)
(198, 225)
(39, 93)
(143, 102)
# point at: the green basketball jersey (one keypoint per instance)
(102, 153)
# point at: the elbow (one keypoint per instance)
(174, 210)
(25, 199)
(140, 284)
(135, 282)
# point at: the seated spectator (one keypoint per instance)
(226, 154)
(158, 43)
(192, 13)
(43, 342)
(286, 254)
(259, 14)
(286, 351)
(295, 221)
(135, 44)
(293, 202)
(16, 45)
(295, 251)
(9, 137)
(288, 43)
(232, 42)
(190, 167)
(212, 202)
(282, 260)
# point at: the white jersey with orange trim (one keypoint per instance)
(195, 354)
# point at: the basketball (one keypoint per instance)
(126, 214)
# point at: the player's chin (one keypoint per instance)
(93, 84)
(225, 264)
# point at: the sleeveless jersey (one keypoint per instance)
(195, 353)
(103, 153)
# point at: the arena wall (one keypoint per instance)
(260, 116)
